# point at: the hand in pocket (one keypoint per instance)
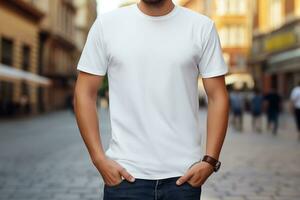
(112, 172)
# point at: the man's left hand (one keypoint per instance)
(197, 174)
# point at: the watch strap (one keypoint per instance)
(212, 161)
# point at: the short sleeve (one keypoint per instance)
(93, 57)
(211, 61)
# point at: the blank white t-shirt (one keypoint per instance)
(153, 64)
(295, 97)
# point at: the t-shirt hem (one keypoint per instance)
(155, 177)
(84, 69)
(213, 74)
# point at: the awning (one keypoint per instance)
(12, 74)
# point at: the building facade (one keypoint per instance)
(86, 14)
(57, 52)
(234, 23)
(19, 47)
(275, 56)
(196, 5)
(233, 20)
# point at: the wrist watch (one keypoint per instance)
(212, 161)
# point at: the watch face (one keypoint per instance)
(217, 166)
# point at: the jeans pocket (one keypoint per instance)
(192, 186)
(116, 185)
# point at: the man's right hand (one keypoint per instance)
(112, 172)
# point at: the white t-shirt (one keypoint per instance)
(153, 63)
(295, 97)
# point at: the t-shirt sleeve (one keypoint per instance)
(93, 57)
(211, 61)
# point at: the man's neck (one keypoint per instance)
(158, 9)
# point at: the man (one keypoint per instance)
(273, 108)
(295, 100)
(237, 107)
(256, 110)
(153, 52)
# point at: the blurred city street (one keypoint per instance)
(44, 158)
(42, 155)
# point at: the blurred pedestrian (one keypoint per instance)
(295, 99)
(256, 110)
(237, 106)
(273, 106)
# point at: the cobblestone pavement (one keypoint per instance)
(45, 158)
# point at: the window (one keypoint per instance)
(234, 7)
(275, 13)
(26, 57)
(7, 52)
(6, 94)
(242, 6)
(233, 36)
(24, 88)
(222, 7)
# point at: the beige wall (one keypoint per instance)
(59, 49)
(195, 5)
(85, 16)
(224, 22)
(58, 22)
(265, 15)
(235, 51)
(297, 7)
(21, 31)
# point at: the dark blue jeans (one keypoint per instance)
(160, 189)
(273, 118)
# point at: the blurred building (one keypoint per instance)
(196, 5)
(85, 16)
(275, 56)
(233, 19)
(127, 3)
(234, 23)
(57, 47)
(40, 43)
(19, 47)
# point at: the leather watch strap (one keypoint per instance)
(210, 160)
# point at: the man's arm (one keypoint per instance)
(217, 116)
(217, 121)
(85, 98)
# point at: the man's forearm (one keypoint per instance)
(87, 120)
(217, 121)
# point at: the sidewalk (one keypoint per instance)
(258, 166)
(44, 158)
